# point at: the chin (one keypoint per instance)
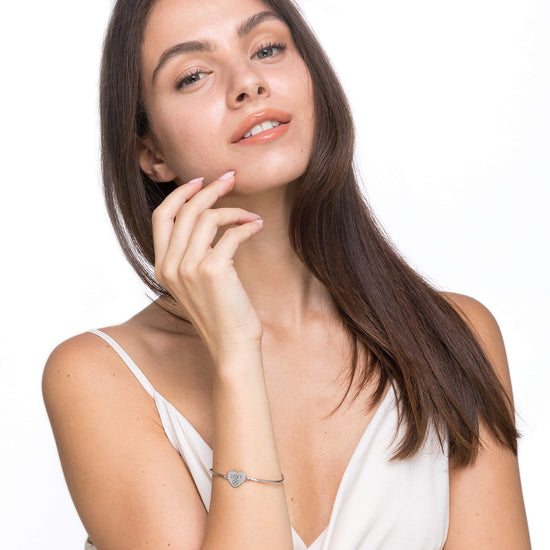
(263, 171)
(252, 180)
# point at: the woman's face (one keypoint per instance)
(211, 73)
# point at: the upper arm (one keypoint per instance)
(486, 502)
(131, 488)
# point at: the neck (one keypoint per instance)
(282, 290)
(285, 295)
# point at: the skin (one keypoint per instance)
(190, 138)
(279, 287)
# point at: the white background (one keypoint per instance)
(451, 101)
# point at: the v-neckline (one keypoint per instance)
(135, 369)
(310, 547)
(344, 475)
(352, 459)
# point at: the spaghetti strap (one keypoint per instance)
(365, 513)
(129, 362)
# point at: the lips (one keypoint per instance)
(257, 118)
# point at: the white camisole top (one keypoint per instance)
(379, 505)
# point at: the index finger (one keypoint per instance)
(164, 215)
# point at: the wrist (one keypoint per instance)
(239, 362)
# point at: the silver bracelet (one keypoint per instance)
(238, 478)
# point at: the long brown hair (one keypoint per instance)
(412, 336)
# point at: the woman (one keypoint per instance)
(304, 387)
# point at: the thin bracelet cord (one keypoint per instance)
(236, 479)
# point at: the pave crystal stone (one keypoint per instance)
(236, 478)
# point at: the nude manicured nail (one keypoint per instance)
(196, 180)
(228, 176)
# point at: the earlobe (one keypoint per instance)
(152, 163)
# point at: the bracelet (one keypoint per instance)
(238, 478)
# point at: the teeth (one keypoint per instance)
(268, 124)
(262, 127)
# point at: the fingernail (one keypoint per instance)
(196, 180)
(258, 221)
(228, 176)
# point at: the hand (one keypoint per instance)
(202, 278)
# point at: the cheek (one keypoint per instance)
(300, 87)
(187, 138)
(294, 81)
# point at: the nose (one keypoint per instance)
(247, 85)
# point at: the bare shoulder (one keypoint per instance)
(86, 364)
(82, 359)
(83, 369)
(474, 313)
(485, 327)
(75, 370)
(129, 485)
(486, 508)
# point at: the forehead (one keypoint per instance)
(172, 21)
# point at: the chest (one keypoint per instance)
(305, 382)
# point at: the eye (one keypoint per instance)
(269, 50)
(189, 79)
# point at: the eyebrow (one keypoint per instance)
(241, 31)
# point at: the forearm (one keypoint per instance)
(253, 515)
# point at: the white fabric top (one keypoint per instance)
(380, 505)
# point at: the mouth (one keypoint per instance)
(262, 126)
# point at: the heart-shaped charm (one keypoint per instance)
(236, 478)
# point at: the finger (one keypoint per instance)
(227, 246)
(188, 214)
(164, 215)
(207, 197)
(206, 229)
